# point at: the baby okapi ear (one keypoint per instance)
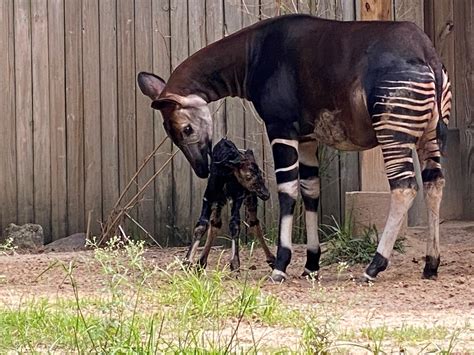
(151, 85)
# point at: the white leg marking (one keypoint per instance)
(291, 142)
(290, 188)
(285, 232)
(311, 219)
(288, 168)
(401, 201)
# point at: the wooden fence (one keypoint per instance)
(75, 127)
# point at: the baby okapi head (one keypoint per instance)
(226, 159)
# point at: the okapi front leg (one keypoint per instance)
(310, 187)
(285, 155)
(216, 225)
(255, 228)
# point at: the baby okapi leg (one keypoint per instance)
(310, 187)
(199, 230)
(285, 155)
(216, 225)
(234, 227)
(251, 203)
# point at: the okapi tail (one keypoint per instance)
(444, 109)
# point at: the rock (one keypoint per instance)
(74, 242)
(26, 237)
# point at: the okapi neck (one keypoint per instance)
(214, 72)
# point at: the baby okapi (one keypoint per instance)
(234, 176)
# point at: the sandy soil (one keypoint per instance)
(398, 297)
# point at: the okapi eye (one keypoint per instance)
(188, 130)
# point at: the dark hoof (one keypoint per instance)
(278, 276)
(271, 262)
(379, 263)
(430, 272)
(311, 275)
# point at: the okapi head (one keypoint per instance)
(186, 119)
(227, 159)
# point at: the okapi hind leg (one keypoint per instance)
(255, 228)
(433, 183)
(234, 227)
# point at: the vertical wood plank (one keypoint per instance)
(269, 9)
(24, 110)
(348, 161)
(75, 116)
(145, 124)
(330, 199)
(254, 127)
(127, 125)
(409, 10)
(92, 129)
(373, 177)
(41, 117)
(164, 209)
(214, 32)
(464, 86)
(444, 42)
(57, 104)
(8, 177)
(108, 106)
(181, 168)
(197, 40)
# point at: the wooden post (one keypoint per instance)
(373, 177)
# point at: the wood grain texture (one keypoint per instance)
(164, 208)
(376, 10)
(24, 111)
(57, 110)
(8, 161)
(181, 167)
(109, 100)
(464, 87)
(41, 116)
(75, 116)
(409, 10)
(127, 124)
(145, 123)
(92, 131)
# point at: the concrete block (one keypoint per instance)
(367, 209)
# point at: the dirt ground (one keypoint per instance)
(398, 297)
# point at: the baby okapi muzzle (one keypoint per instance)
(234, 176)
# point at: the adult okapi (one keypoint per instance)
(349, 85)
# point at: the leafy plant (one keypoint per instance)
(343, 246)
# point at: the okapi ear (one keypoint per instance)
(151, 85)
(162, 103)
(249, 153)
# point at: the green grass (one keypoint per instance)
(143, 310)
(344, 247)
